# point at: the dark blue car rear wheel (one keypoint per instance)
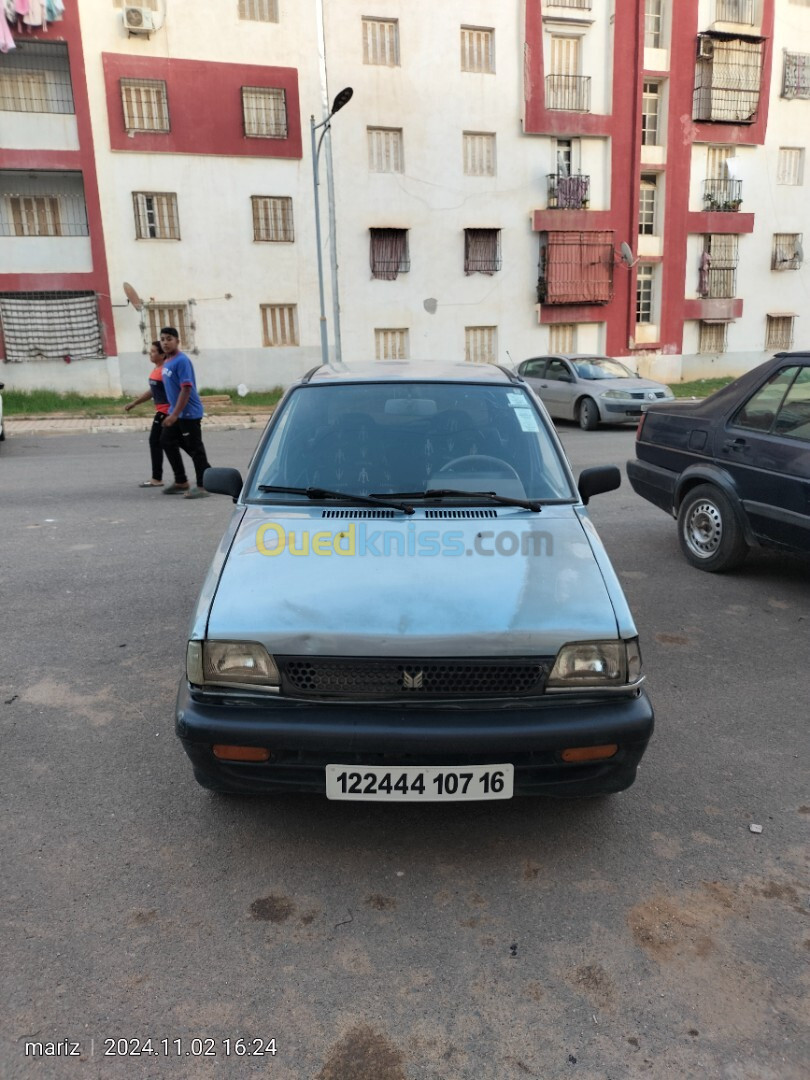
(709, 531)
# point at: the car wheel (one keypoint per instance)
(709, 531)
(588, 414)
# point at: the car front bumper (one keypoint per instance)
(304, 737)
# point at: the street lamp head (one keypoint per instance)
(343, 98)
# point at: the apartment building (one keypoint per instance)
(510, 179)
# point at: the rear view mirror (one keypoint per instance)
(598, 480)
(565, 378)
(223, 482)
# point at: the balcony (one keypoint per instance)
(43, 222)
(42, 215)
(568, 93)
(576, 267)
(568, 192)
(728, 75)
(718, 284)
(722, 195)
(742, 12)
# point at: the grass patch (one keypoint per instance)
(39, 402)
(699, 387)
(22, 402)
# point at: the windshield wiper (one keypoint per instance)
(450, 493)
(323, 493)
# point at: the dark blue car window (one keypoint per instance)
(759, 412)
(793, 418)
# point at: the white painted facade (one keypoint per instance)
(434, 103)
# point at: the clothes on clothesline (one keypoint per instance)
(21, 14)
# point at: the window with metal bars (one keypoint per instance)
(562, 338)
(482, 251)
(151, 5)
(728, 73)
(259, 10)
(718, 274)
(146, 105)
(736, 11)
(779, 332)
(576, 267)
(381, 42)
(479, 153)
(279, 325)
(388, 253)
(273, 219)
(645, 293)
(481, 344)
(35, 77)
(391, 344)
(646, 206)
(478, 49)
(156, 215)
(160, 313)
(796, 76)
(650, 107)
(790, 166)
(786, 253)
(385, 150)
(264, 112)
(712, 337)
(42, 204)
(50, 326)
(652, 23)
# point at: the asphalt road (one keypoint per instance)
(651, 934)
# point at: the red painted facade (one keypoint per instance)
(83, 160)
(205, 107)
(623, 127)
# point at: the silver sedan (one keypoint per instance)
(590, 389)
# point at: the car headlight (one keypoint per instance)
(597, 663)
(618, 395)
(230, 663)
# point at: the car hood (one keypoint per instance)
(466, 603)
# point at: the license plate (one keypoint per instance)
(429, 783)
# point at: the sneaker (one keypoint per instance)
(176, 489)
(197, 493)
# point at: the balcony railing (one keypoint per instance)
(723, 195)
(42, 215)
(568, 192)
(736, 11)
(569, 93)
(718, 284)
(583, 5)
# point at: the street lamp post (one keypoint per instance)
(340, 100)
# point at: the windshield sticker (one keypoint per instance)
(527, 420)
(517, 401)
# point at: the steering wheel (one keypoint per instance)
(473, 461)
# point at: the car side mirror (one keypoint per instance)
(565, 378)
(223, 482)
(597, 480)
(2, 386)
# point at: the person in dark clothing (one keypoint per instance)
(158, 395)
(182, 427)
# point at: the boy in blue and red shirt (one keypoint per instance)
(158, 395)
(181, 427)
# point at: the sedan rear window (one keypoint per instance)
(381, 438)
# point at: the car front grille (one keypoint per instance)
(359, 678)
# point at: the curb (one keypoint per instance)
(105, 425)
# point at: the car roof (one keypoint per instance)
(572, 356)
(412, 371)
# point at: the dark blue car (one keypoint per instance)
(734, 469)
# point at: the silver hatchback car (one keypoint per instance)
(410, 602)
(590, 389)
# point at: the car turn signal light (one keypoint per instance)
(241, 753)
(589, 753)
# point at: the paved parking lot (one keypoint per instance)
(651, 934)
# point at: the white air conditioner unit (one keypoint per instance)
(705, 50)
(138, 20)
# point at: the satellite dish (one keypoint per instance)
(133, 297)
(627, 254)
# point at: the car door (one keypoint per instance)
(532, 372)
(558, 387)
(766, 448)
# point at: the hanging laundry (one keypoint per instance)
(6, 40)
(54, 10)
(36, 14)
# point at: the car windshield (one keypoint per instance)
(601, 367)
(384, 438)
